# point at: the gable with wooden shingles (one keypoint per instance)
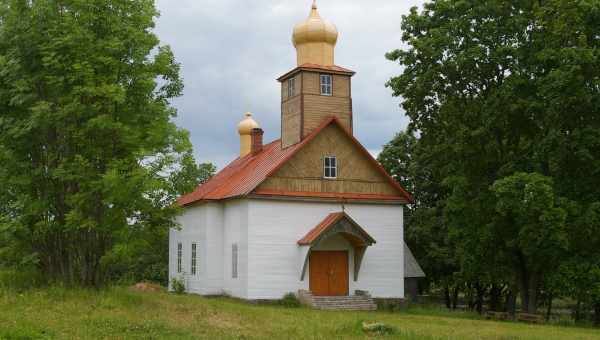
(356, 173)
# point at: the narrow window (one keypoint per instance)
(330, 167)
(234, 261)
(291, 87)
(193, 260)
(326, 84)
(179, 255)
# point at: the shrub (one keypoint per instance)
(290, 300)
(21, 278)
(178, 285)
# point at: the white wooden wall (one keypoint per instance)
(236, 231)
(267, 232)
(276, 226)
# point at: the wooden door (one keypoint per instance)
(328, 272)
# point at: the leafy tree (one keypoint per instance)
(189, 175)
(85, 128)
(493, 89)
(142, 254)
(426, 230)
(532, 228)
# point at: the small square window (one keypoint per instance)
(291, 87)
(330, 167)
(326, 82)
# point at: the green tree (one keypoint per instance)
(142, 254)
(85, 128)
(532, 228)
(189, 175)
(426, 231)
(494, 88)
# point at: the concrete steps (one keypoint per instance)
(352, 302)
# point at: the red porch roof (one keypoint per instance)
(329, 222)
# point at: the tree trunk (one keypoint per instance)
(495, 295)
(455, 297)
(528, 287)
(523, 282)
(578, 310)
(597, 314)
(511, 302)
(533, 294)
(447, 296)
(549, 310)
(479, 300)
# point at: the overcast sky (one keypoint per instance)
(231, 52)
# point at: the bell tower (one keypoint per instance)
(316, 88)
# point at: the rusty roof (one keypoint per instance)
(244, 174)
(327, 223)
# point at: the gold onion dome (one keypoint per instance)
(315, 39)
(247, 124)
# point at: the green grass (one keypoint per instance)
(119, 313)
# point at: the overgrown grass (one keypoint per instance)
(120, 313)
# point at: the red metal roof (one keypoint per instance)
(316, 67)
(328, 222)
(243, 175)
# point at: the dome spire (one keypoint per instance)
(245, 128)
(315, 39)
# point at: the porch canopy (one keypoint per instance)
(334, 224)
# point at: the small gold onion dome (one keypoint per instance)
(311, 33)
(247, 124)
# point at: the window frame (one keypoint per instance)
(326, 85)
(234, 260)
(179, 257)
(328, 166)
(194, 258)
(291, 87)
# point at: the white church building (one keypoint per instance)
(310, 213)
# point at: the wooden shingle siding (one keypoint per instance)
(290, 121)
(312, 84)
(307, 109)
(317, 108)
(304, 171)
(341, 86)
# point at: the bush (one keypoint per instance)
(178, 285)
(290, 300)
(21, 278)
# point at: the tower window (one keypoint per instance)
(291, 87)
(330, 167)
(193, 259)
(179, 255)
(326, 84)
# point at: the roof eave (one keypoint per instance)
(314, 69)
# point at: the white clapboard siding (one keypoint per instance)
(276, 226)
(266, 233)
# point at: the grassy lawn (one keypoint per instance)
(119, 313)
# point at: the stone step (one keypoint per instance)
(362, 302)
